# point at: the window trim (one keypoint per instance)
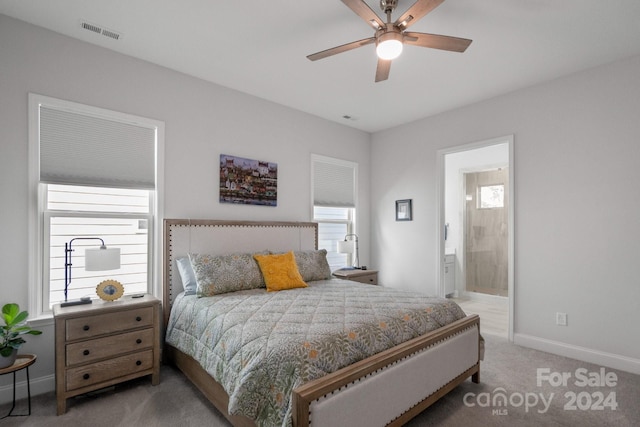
(37, 197)
(352, 225)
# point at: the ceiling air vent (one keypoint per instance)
(112, 34)
(100, 30)
(91, 27)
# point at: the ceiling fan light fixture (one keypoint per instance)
(390, 36)
(389, 45)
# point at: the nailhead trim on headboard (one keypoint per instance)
(194, 224)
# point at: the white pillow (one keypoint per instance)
(187, 276)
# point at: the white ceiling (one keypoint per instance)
(259, 47)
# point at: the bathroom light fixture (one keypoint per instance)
(96, 259)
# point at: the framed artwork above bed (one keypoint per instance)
(247, 181)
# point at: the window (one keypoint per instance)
(94, 173)
(491, 196)
(334, 190)
(333, 225)
(121, 217)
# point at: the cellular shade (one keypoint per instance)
(81, 149)
(333, 185)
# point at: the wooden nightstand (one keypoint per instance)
(362, 276)
(105, 343)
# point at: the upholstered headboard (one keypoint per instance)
(216, 237)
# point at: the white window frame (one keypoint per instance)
(38, 202)
(351, 222)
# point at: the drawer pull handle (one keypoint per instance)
(85, 328)
(86, 376)
(138, 318)
(138, 363)
(86, 352)
(138, 341)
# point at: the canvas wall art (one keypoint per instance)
(247, 181)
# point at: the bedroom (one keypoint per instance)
(575, 148)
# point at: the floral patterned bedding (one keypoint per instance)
(260, 346)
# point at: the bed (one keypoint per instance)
(387, 388)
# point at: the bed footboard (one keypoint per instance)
(394, 385)
(389, 385)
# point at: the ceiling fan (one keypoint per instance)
(390, 36)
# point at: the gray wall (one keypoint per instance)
(576, 207)
(202, 120)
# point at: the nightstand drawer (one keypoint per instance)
(100, 324)
(371, 279)
(108, 369)
(363, 276)
(89, 351)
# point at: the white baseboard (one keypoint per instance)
(610, 360)
(38, 386)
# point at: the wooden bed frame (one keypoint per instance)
(388, 388)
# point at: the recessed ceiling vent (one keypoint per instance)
(100, 30)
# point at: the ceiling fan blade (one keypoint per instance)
(365, 12)
(340, 49)
(382, 70)
(435, 41)
(417, 11)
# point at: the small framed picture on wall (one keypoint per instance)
(403, 210)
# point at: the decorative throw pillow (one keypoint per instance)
(313, 265)
(225, 273)
(188, 277)
(280, 271)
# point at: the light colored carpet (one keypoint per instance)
(175, 402)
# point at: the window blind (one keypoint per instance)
(333, 184)
(80, 149)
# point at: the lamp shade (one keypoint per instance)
(346, 246)
(101, 259)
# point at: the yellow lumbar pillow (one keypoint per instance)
(280, 271)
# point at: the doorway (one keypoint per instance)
(475, 222)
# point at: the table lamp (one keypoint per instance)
(350, 247)
(96, 259)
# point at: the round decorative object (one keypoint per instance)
(110, 290)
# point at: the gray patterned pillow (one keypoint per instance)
(219, 274)
(313, 265)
